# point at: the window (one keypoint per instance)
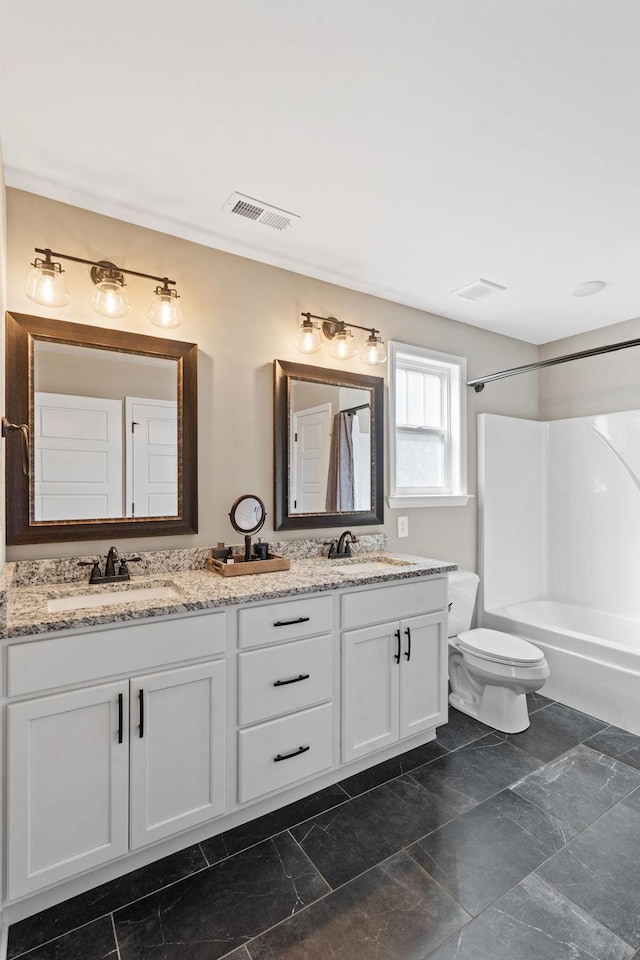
(428, 427)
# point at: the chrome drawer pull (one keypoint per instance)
(283, 683)
(289, 623)
(287, 756)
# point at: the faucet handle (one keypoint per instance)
(96, 573)
(332, 544)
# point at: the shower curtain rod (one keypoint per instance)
(479, 383)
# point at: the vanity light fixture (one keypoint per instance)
(342, 342)
(45, 282)
(47, 286)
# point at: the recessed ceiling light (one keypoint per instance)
(479, 290)
(588, 288)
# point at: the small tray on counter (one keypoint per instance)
(242, 568)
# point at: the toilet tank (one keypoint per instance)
(463, 587)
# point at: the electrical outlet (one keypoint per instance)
(403, 526)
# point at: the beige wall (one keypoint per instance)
(3, 307)
(595, 385)
(101, 373)
(243, 315)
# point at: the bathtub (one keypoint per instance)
(594, 657)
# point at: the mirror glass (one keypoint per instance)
(112, 421)
(105, 438)
(248, 514)
(328, 447)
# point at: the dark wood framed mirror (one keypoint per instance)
(329, 463)
(112, 420)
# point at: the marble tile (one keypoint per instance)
(240, 954)
(102, 900)
(247, 834)
(216, 849)
(599, 871)
(460, 730)
(95, 941)
(393, 911)
(474, 773)
(534, 922)
(390, 769)
(486, 851)
(217, 910)
(536, 701)
(352, 838)
(633, 801)
(554, 730)
(579, 787)
(619, 744)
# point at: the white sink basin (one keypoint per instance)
(377, 565)
(82, 601)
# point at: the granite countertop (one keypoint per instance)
(199, 589)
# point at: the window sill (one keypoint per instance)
(430, 500)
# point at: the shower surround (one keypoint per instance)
(559, 547)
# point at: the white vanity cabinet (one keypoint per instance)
(288, 685)
(394, 673)
(98, 771)
(68, 785)
(126, 741)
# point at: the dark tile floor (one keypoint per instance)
(478, 846)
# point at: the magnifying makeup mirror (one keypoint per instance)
(247, 517)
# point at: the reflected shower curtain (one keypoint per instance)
(340, 484)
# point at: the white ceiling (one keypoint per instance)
(424, 143)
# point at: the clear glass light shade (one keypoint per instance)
(373, 351)
(309, 338)
(164, 310)
(109, 299)
(343, 345)
(47, 285)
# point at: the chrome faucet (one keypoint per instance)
(342, 548)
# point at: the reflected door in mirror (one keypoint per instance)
(328, 447)
(106, 434)
(112, 428)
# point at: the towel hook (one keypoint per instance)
(26, 452)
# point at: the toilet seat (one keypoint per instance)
(498, 647)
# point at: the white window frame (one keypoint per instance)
(453, 370)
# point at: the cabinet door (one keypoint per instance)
(177, 750)
(370, 686)
(68, 768)
(423, 673)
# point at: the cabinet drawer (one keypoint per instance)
(289, 620)
(260, 770)
(81, 658)
(364, 607)
(285, 677)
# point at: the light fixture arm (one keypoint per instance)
(102, 264)
(330, 325)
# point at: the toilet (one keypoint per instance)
(490, 672)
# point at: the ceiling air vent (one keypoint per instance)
(252, 209)
(479, 290)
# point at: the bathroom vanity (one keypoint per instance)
(137, 728)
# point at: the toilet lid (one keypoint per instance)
(501, 647)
